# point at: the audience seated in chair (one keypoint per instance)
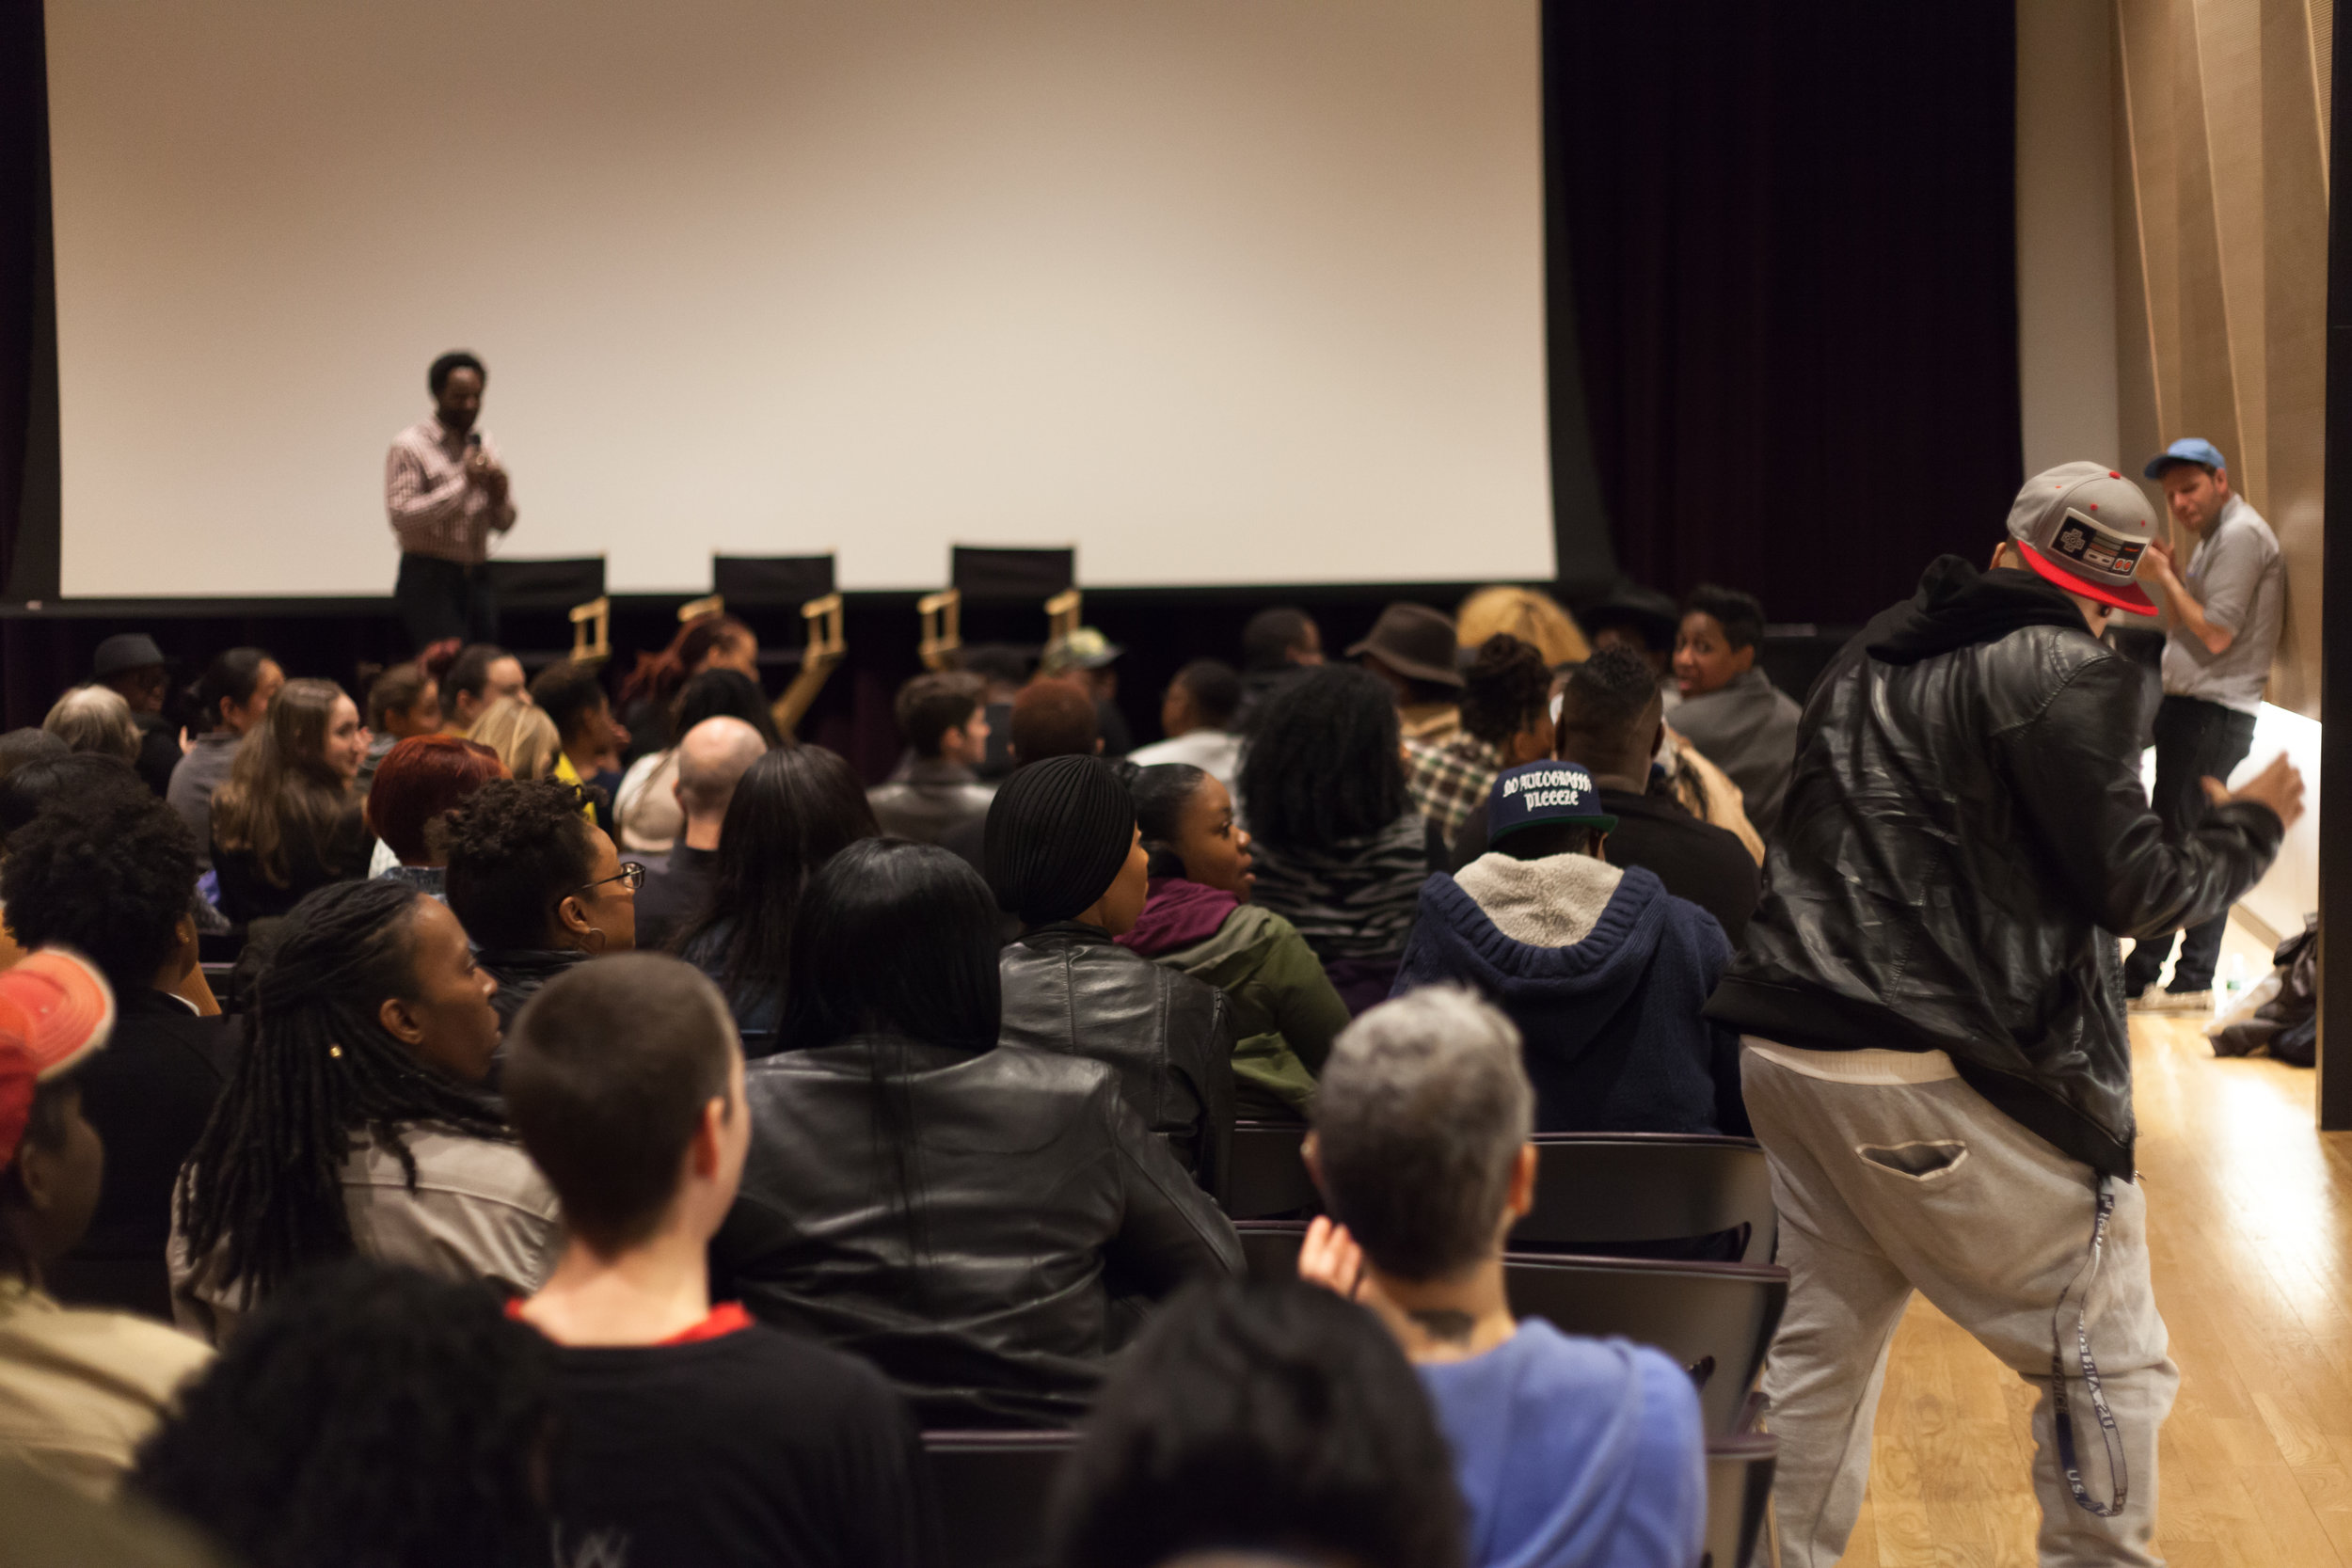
(1506, 721)
(366, 1414)
(536, 885)
(111, 874)
(646, 804)
(1261, 1423)
(481, 674)
(1199, 919)
(131, 665)
(357, 1120)
(714, 641)
(1339, 850)
(572, 696)
(685, 1433)
(711, 762)
(1065, 857)
(941, 719)
(95, 719)
(232, 699)
(1730, 711)
(1004, 670)
(421, 780)
(1089, 660)
(79, 1389)
(1197, 715)
(1603, 971)
(288, 819)
(1611, 720)
(795, 809)
(1278, 646)
(978, 1220)
(1411, 648)
(403, 701)
(1050, 719)
(1569, 1451)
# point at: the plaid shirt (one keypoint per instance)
(1448, 779)
(435, 509)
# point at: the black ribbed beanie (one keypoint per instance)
(1058, 832)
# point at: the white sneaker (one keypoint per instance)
(2180, 1001)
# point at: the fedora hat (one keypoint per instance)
(1413, 639)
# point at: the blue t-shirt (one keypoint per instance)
(1574, 1453)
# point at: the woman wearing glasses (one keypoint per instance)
(537, 886)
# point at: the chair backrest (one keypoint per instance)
(1594, 1189)
(993, 1488)
(546, 584)
(754, 581)
(989, 576)
(1716, 1320)
(1739, 1485)
(1269, 1248)
(1268, 1180)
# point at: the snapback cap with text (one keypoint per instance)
(2084, 526)
(1539, 793)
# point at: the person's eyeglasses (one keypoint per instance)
(630, 874)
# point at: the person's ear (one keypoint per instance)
(38, 1174)
(183, 945)
(572, 915)
(1097, 745)
(704, 1156)
(1311, 1155)
(1599, 849)
(400, 1021)
(1744, 659)
(1522, 1197)
(2000, 552)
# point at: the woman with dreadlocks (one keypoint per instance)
(356, 1122)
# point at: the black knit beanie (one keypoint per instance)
(1058, 832)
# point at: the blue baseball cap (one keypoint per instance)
(1536, 794)
(2188, 449)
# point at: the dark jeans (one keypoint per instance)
(2194, 740)
(445, 598)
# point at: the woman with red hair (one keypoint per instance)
(417, 780)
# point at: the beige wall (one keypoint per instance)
(2220, 211)
(2066, 316)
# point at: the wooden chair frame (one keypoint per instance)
(825, 651)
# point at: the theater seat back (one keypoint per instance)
(992, 1489)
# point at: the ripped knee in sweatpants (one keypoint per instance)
(1921, 1161)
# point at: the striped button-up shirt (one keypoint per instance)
(434, 510)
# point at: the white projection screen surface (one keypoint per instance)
(1222, 292)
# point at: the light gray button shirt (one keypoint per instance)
(2237, 574)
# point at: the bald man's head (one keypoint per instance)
(711, 760)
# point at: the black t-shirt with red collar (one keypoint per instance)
(735, 1443)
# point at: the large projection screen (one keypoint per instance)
(1221, 290)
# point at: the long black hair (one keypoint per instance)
(233, 676)
(1326, 762)
(263, 1181)
(897, 942)
(792, 811)
(1161, 794)
(366, 1414)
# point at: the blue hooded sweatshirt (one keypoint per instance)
(1574, 1453)
(1614, 1041)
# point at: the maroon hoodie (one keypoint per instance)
(1178, 913)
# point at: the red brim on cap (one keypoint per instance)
(2131, 596)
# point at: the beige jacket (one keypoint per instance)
(81, 1390)
(481, 1211)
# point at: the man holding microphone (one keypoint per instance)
(446, 495)
(1933, 1045)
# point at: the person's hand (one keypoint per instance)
(2279, 786)
(2158, 564)
(1331, 1258)
(185, 744)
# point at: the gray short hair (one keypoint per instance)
(95, 718)
(1418, 1116)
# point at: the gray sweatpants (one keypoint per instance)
(1884, 1188)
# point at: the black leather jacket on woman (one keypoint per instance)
(1070, 989)
(1043, 1210)
(1964, 837)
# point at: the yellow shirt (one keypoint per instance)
(80, 1391)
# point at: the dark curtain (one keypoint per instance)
(1791, 253)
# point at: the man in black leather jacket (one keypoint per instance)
(1935, 1056)
(1063, 854)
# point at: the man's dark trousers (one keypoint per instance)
(441, 599)
(2195, 740)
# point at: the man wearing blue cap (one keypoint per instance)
(2224, 608)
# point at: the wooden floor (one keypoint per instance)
(2249, 1217)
